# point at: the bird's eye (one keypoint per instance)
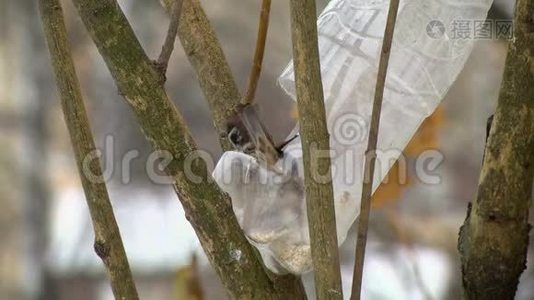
(235, 136)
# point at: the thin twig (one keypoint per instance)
(209, 63)
(194, 282)
(370, 155)
(108, 244)
(258, 54)
(315, 140)
(168, 46)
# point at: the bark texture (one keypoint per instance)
(206, 207)
(493, 241)
(207, 59)
(315, 147)
(108, 244)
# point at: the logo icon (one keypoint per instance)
(435, 29)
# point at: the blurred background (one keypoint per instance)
(45, 231)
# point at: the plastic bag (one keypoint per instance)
(428, 53)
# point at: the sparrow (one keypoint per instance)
(247, 134)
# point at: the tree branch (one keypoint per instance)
(207, 59)
(207, 208)
(493, 241)
(108, 244)
(258, 54)
(168, 46)
(370, 155)
(315, 140)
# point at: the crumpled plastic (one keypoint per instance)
(426, 58)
